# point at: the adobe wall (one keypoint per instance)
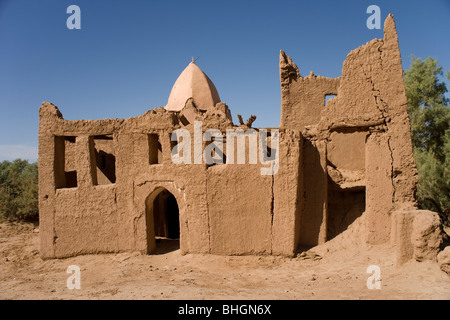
(89, 212)
(223, 209)
(359, 146)
(252, 213)
(302, 98)
(337, 162)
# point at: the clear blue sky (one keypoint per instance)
(128, 54)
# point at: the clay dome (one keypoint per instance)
(193, 83)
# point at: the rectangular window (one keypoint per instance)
(328, 97)
(103, 159)
(154, 149)
(64, 166)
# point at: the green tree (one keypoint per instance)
(18, 190)
(429, 112)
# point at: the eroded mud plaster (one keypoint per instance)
(100, 181)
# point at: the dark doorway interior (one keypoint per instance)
(166, 216)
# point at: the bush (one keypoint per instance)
(18, 190)
(429, 112)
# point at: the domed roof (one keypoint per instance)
(193, 83)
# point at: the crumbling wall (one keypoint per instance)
(416, 234)
(97, 213)
(351, 157)
(75, 216)
(223, 208)
(357, 147)
(302, 98)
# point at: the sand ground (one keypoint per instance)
(170, 275)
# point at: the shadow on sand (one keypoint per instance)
(166, 245)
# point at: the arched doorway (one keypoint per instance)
(163, 222)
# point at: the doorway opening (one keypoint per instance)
(163, 222)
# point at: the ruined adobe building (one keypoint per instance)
(110, 185)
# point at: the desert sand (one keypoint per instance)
(323, 273)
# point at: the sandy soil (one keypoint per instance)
(170, 275)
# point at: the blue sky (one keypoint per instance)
(128, 54)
